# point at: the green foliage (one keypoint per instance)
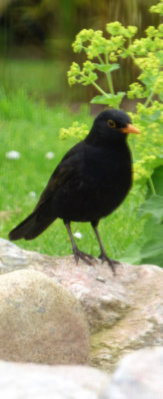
(150, 249)
(103, 57)
(77, 129)
(158, 8)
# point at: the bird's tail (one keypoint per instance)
(32, 226)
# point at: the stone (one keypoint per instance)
(138, 376)
(19, 380)
(12, 257)
(40, 321)
(124, 312)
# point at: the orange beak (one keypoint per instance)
(130, 129)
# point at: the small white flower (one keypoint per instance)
(32, 194)
(13, 154)
(78, 235)
(50, 155)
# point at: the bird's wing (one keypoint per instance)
(69, 169)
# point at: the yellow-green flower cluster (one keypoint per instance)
(136, 90)
(99, 51)
(76, 130)
(147, 54)
(85, 76)
(117, 29)
(148, 147)
(158, 8)
(73, 73)
(94, 43)
(159, 84)
(142, 169)
(83, 36)
(151, 31)
(97, 45)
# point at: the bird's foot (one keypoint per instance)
(111, 262)
(82, 255)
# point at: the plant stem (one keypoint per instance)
(149, 98)
(152, 185)
(109, 77)
(100, 59)
(99, 89)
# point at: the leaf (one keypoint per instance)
(152, 250)
(152, 253)
(109, 99)
(160, 56)
(100, 100)
(153, 206)
(106, 68)
(132, 254)
(157, 178)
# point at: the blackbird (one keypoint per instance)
(90, 182)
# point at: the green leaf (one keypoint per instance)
(161, 96)
(132, 254)
(107, 68)
(157, 178)
(153, 206)
(100, 100)
(160, 56)
(152, 253)
(152, 250)
(110, 99)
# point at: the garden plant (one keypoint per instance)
(103, 55)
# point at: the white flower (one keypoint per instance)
(78, 235)
(50, 155)
(32, 194)
(13, 154)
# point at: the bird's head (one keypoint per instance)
(112, 125)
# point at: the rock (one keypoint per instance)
(29, 381)
(12, 257)
(124, 311)
(138, 376)
(40, 321)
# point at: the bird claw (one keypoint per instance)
(111, 262)
(82, 255)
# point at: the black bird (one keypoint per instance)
(89, 183)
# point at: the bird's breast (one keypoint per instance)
(99, 186)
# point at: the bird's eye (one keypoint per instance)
(111, 123)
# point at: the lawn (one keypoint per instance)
(41, 78)
(32, 129)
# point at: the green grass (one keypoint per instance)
(41, 78)
(33, 130)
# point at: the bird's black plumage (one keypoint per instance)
(90, 182)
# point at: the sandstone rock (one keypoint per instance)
(124, 311)
(40, 321)
(138, 376)
(31, 381)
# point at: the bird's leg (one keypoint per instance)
(77, 253)
(103, 256)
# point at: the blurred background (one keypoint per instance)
(36, 42)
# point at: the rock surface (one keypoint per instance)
(40, 321)
(139, 376)
(29, 381)
(124, 311)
